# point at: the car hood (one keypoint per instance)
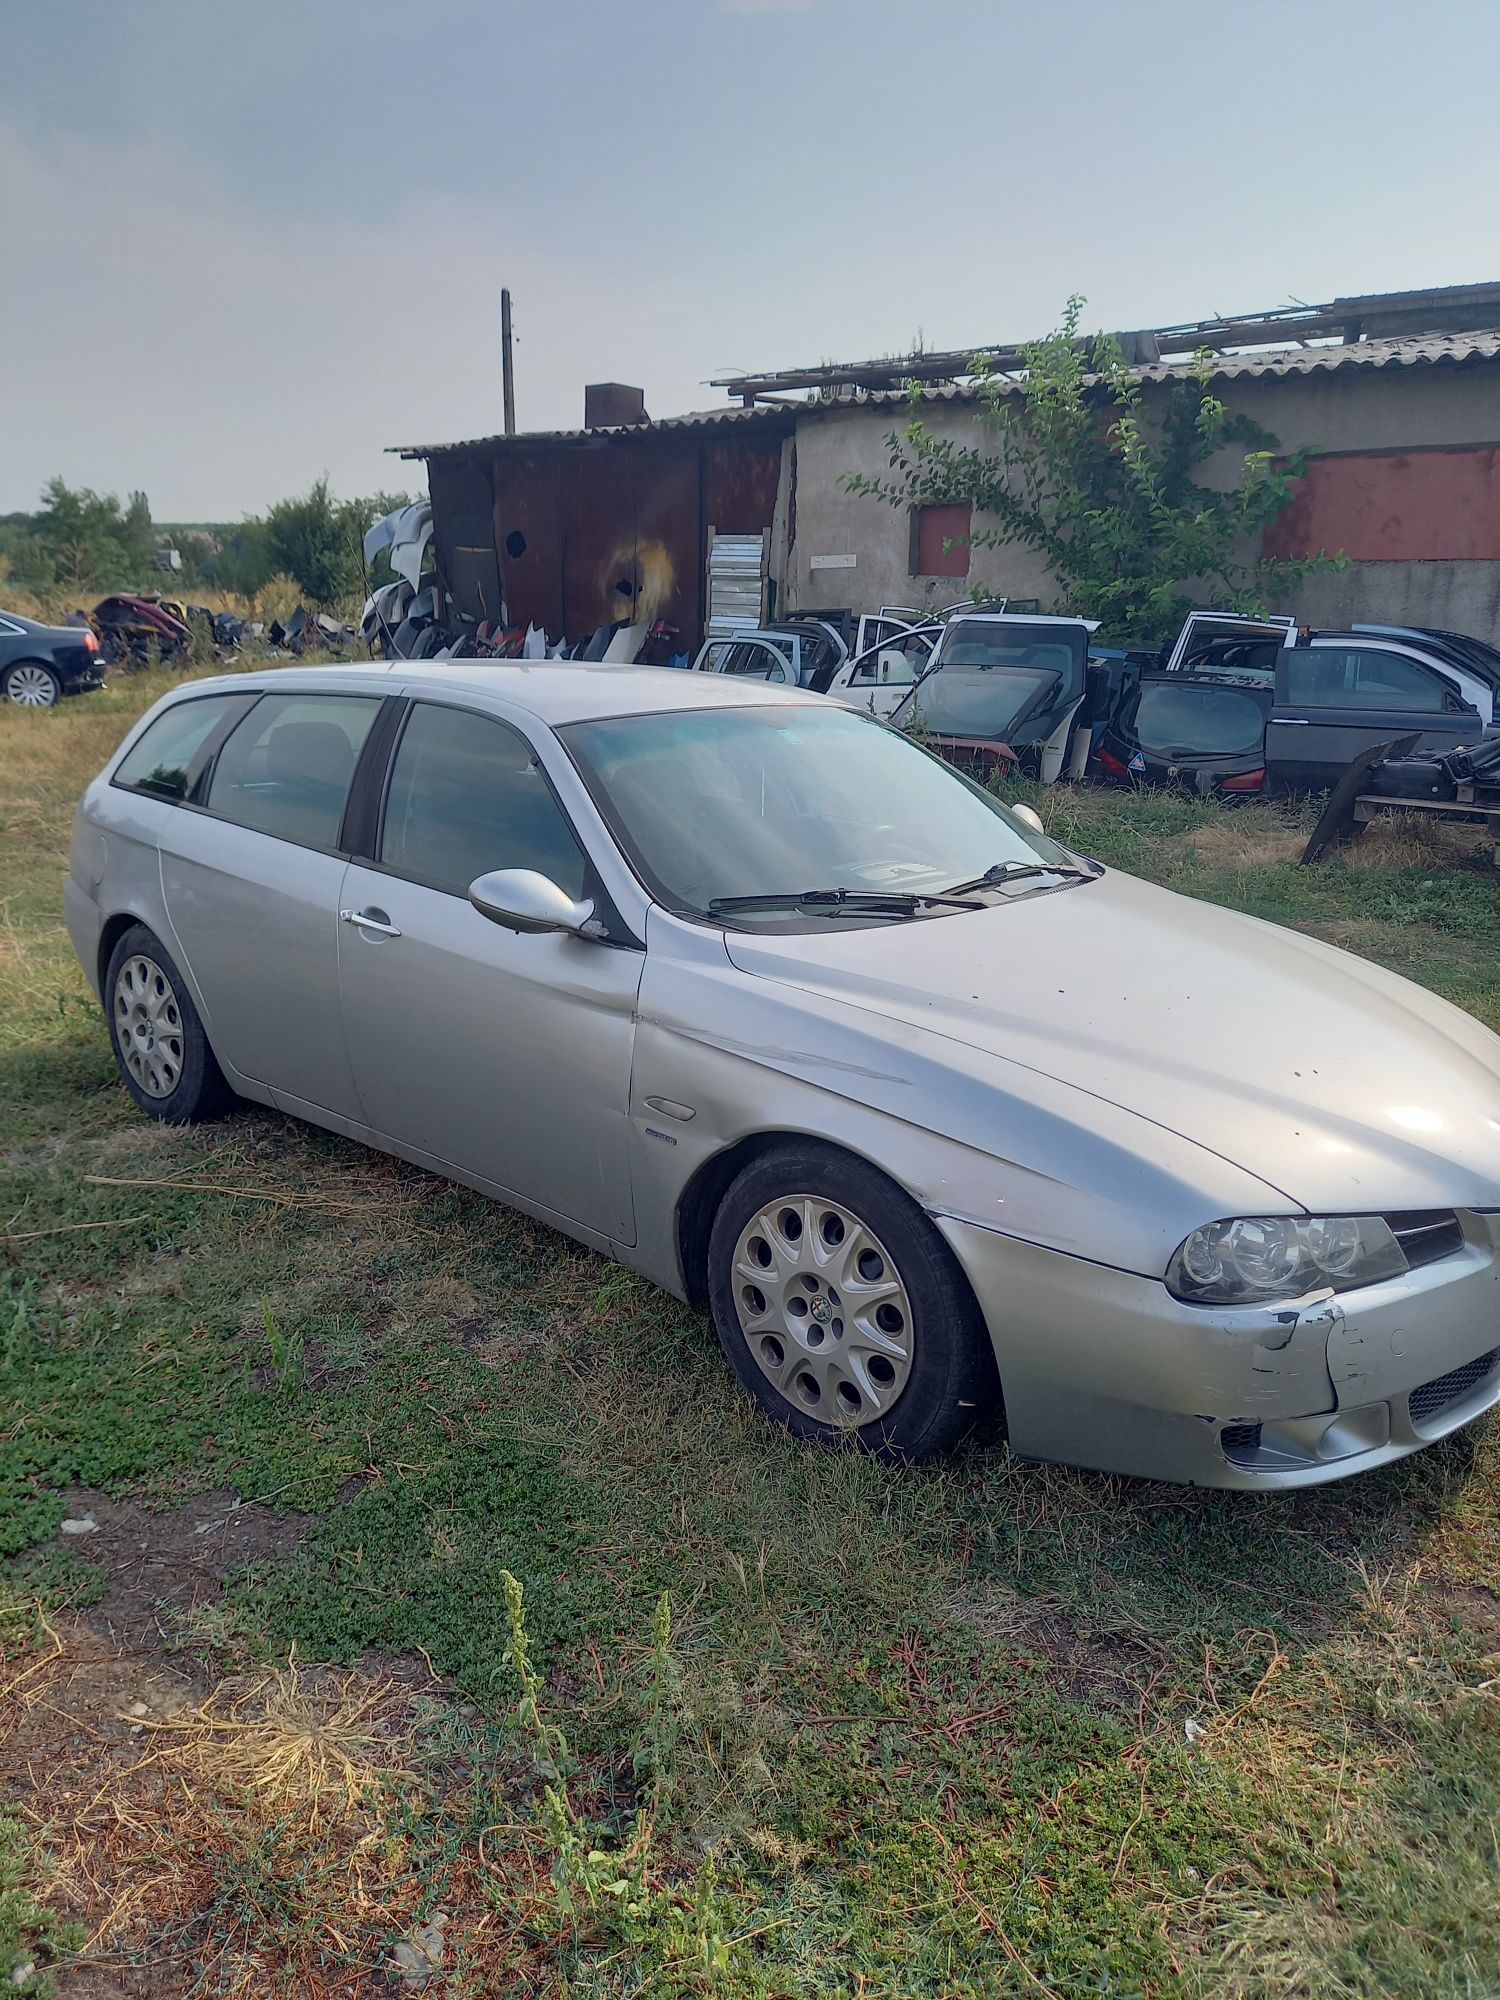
(1340, 1085)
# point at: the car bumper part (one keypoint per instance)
(1104, 1368)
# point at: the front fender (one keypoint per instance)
(969, 1136)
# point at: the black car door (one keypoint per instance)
(1332, 701)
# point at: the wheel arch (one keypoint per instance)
(36, 660)
(711, 1180)
(112, 930)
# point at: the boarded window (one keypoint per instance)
(1395, 506)
(931, 527)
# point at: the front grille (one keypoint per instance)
(1444, 1390)
(1426, 1234)
(1240, 1442)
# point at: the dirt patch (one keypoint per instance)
(1115, 1670)
(163, 1567)
(152, 1789)
(1469, 1606)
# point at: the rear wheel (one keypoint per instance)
(32, 684)
(157, 1036)
(841, 1308)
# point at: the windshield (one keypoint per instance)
(1185, 718)
(953, 702)
(723, 802)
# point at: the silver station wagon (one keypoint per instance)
(748, 991)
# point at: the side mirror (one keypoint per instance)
(519, 899)
(1027, 815)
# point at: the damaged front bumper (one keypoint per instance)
(1106, 1369)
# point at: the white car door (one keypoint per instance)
(881, 677)
(751, 660)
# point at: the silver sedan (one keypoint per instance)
(751, 993)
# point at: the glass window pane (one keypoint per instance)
(287, 768)
(468, 796)
(748, 801)
(1350, 677)
(160, 762)
(1188, 719)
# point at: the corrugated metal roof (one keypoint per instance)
(1425, 351)
(1430, 350)
(766, 417)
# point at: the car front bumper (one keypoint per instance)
(1104, 1368)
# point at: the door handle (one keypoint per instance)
(370, 920)
(1292, 721)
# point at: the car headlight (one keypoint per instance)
(1244, 1262)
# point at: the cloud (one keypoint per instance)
(184, 338)
(767, 6)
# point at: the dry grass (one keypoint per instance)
(1403, 840)
(266, 1837)
(296, 1750)
(1413, 840)
(1240, 843)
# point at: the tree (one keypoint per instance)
(320, 540)
(87, 543)
(314, 540)
(1076, 468)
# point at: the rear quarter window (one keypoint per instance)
(163, 761)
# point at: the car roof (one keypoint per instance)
(555, 692)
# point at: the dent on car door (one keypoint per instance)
(1332, 702)
(251, 887)
(503, 1055)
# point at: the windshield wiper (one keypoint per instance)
(1004, 872)
(879, 902)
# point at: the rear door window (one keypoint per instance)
(467, 796)
(1355, 677)
(286, 769)
(165, 761)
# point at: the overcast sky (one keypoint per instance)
(246, 242)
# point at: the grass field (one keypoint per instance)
(753, 1720)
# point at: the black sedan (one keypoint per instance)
(39, 664)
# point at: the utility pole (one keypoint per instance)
(507, 364)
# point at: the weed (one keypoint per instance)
(285, 1348)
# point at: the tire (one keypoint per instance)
(889, 1348)
(32, 684)
(156, 1034)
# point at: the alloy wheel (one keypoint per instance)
(823, 1309)
(31, 687)
(148, 1026)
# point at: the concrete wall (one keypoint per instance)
(831, 522)
(1354, 409)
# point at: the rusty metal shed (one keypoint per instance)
(577, 529)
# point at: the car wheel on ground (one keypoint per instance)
(842, 1310)
(158, 1039)
(32, 684)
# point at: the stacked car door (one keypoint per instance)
(1334, 700)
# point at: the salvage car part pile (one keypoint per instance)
(414, 618)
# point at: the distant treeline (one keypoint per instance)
(80, 544)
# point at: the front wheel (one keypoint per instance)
(32, 684)
(842, 1310)
(157, 1036)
